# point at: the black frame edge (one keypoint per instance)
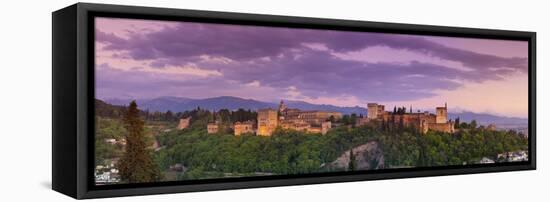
(533, 99)
(64, 48)
(287, 21)
(84, 102)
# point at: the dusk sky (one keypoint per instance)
(146, 59)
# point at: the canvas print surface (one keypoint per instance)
(183, 101)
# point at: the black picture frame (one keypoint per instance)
(73, 99)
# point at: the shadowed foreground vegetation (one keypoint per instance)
(293, 152)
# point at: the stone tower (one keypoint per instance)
(373, 110)
(441, 114)
(267, 121)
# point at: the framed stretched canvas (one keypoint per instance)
(154, 100)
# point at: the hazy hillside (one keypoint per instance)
(486, 119)
(308, 106)
(180, 104)
(108, 110)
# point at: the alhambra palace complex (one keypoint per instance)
(286, 118)
(423, 121)
(317, 121)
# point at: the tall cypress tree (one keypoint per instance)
(137, 165)
(352, 164)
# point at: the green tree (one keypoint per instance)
(169, 116)
(353, 119)
(136, 164)
(473, 124)
(352, 164)
(346, 119)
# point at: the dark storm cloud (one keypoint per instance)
(289, 64)
(110, 38)
(358, 41)
(192, 39)
(116, 83)
(238, 43)
(316, 72)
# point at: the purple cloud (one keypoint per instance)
(289, 63)
(358, 41)
(314, 74)
(249, 42)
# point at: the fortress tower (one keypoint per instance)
(374, 110)
(267, 121)
(441, 114)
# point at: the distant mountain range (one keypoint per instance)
(180, 104)
(485, 119)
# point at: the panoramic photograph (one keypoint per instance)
(184, 101)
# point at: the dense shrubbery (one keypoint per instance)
(284, 152)
(466, 146)
(112, 128)
(108, 129)
(292, 152)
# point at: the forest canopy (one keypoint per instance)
(294, 152)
